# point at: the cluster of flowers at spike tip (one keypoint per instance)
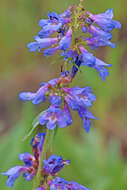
(95, 33)
(61, 97)
(31, 162)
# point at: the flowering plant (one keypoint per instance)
(70, 34)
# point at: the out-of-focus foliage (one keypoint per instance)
(98, 159)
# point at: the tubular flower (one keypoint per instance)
(51, 51)
(95, 42)
(96, 31)
(54, 164)
(39, 96)
(104, 20)
(54, 115)
(41, 43)
(13, 174)
(66, 40)
(72, 185)
(89, 60)
(61, 184)
(48, 30)
(86, 116)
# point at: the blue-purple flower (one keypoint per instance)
(89, 60)
(54, 19)
(86, 116)
(66, 40)
(49, 29)
(97, 41)
(61, 184)
(72, 185)
(54, 164)
(51, 51)
(13, 174)
(79, 96)
(55, 116)
(26, 158)
(104, 20)
(96, 31)
(40, 95)
(58, 183)
(79, 99)
(41, 43)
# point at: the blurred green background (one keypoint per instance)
(98, 159)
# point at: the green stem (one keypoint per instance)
(38, 177)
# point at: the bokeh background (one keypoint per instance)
(98, 159)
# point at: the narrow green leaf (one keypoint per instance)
(35, 123)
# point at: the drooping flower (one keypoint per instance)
(104, 20)
(96, 31)
(86, 116)
(98, 37)
(79, 99)
(89, 60)
(97, 41)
